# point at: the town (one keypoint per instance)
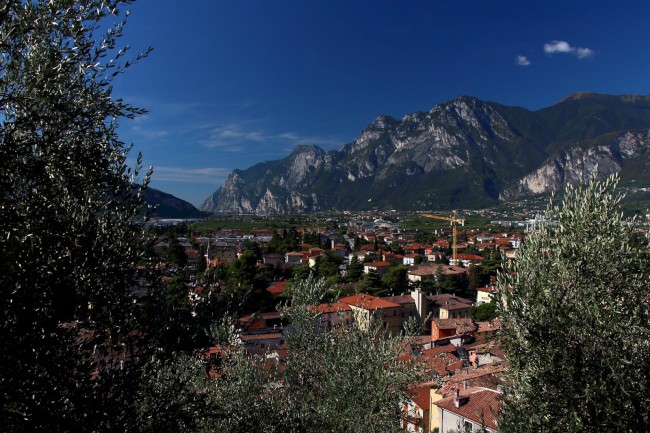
(377, 275)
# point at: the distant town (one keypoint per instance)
(385, 269)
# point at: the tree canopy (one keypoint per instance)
(70, 218)
(574, 320)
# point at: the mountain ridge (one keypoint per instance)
(169, 206)
(461, 153)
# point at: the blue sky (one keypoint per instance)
(233, 83)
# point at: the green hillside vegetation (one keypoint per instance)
(497, 144)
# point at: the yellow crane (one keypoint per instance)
(453, 220)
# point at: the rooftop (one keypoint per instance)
(480, 405)
(368, 302)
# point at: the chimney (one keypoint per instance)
(420, 299)
(458, 400)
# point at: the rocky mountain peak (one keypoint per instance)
(308, 149)
(383, 122)
(462, 153)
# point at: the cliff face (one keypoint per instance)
(576, 165)
(463, 153)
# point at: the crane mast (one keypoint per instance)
(453, 220)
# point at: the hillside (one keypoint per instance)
(462, 153)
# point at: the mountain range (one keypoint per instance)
(169, 206)
(464, 153)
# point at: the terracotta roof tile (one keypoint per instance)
(332, 308)
(378, 264)
(420, 395)
(401, 299)
(368, 302)
(461, 325)
(473, 257)
(277, 288)
(480, 405)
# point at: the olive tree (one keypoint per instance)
(69, 219)
(575, 324)
(342, 380)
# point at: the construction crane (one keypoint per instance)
(453, 220)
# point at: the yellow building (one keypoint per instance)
(434, 414)
(367, 307)
(447, 306)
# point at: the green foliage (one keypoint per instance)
(330, 382)
(483, 312)
(354, 270)
(242, 272)
(201, 264)
(327, 265)
(192, 404)
(301, 272)
(326, 371)
(575, 323)
(456, 283)
(253, 248)
(283, 241)
(170, 316)
(395, 281)
(69, 221)
(371, 282)
(174, 252)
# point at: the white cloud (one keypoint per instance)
(208, 175)
(296, 138)
(291, 136)
(522, 61)
(564, 47)
(235, 132)
(557, 47)
(233, 138)
(236, 137)
(584, 52)
(149, 134)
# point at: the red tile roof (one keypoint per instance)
(471, 257)
(414, 247)
(461, 325)
(368, 302)
(449, 301)
(377, 264)
(441, 360)
(489, 326)
(400, 299)
(277, 288)
(420, 395)
(475, 403)
(332, 308)
(258, 337)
